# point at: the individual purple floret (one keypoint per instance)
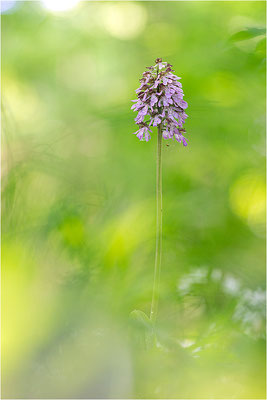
(160, 103)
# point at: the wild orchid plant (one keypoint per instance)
(160, 103)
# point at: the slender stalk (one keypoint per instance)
(155, 294)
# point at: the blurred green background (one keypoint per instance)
(78, 202)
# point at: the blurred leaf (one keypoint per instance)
(261, 47)
(247, 34)
(141, 319)
(145, 333)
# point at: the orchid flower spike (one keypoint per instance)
(160, 102)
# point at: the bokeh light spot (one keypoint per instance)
(23, 101)
(124, 21)
(6, 6)
(247, 198)
(59, 5)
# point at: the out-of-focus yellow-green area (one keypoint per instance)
(78, 202)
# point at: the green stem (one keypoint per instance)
(155, 294)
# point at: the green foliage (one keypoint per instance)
(78, 204)
(144, 329)
(248, 33)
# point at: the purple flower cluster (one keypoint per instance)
(160, 103)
